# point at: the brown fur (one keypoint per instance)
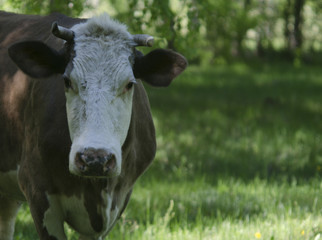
(34, 132)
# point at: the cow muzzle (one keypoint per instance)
(93, 162)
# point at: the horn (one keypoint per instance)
(62, 32)
(143, 40)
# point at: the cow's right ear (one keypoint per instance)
(159, 67)
(37, 59)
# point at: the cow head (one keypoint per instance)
(99, 65)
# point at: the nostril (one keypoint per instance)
(108, 157)
(110, 162)
(80, 162)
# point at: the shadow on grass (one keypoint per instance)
(240, 121)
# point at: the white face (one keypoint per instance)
(99, 102)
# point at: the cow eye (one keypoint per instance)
(68, 83)
(129, 86)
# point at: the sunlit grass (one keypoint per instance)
(229, 209)
(239, 157)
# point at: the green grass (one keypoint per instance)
(239, 157)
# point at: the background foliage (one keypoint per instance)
(209, 30)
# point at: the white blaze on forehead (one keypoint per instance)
(98, 110)
(102, 25)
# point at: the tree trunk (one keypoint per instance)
(287, 31)
(298, 22)
(171, 40)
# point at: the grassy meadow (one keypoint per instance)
(239, 157)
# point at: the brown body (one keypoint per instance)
(35, 141)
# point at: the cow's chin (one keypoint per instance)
(101, 175)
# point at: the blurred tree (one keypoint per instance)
(209, 29)
(287, 31)
(175, 24)
(268, 16)
(227, 23)
(69, 7)
(155, 15)
(298, 22)
(293, 20)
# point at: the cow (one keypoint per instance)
(76, 129)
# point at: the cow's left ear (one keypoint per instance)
(159, 67)
(37, 59)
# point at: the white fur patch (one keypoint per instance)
(62, 207)
(99, 110)
(110, 216)
(73, 211)
(54, 218)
